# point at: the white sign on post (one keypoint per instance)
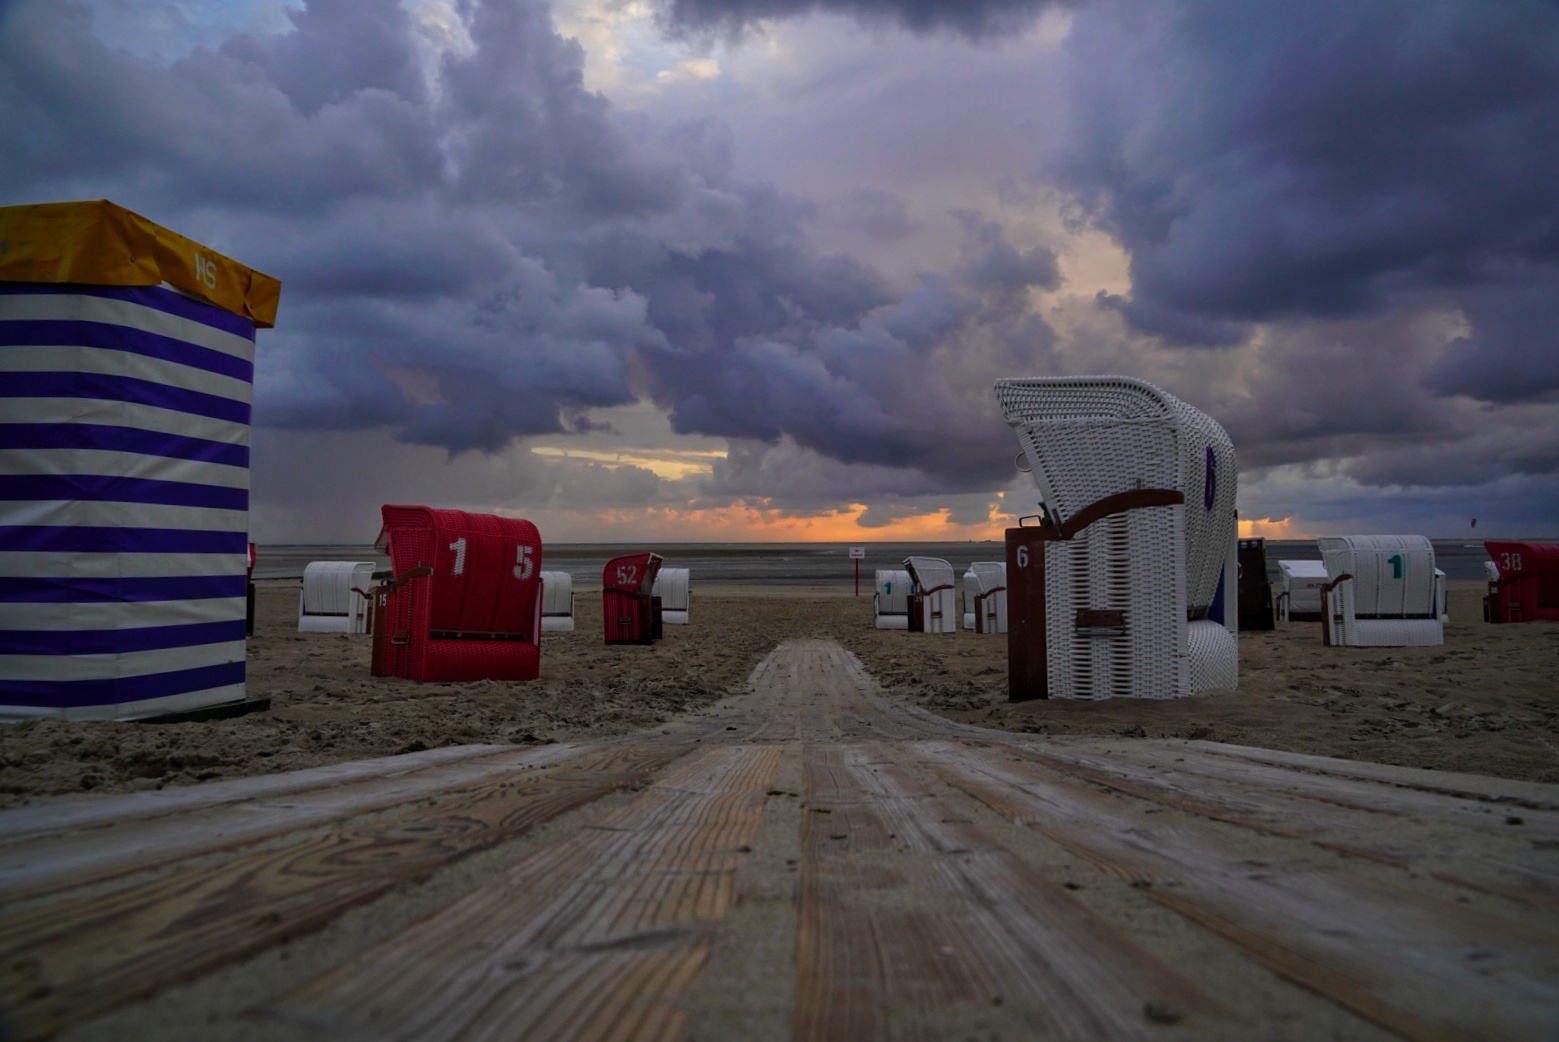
(857, 553)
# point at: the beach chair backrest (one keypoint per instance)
(1393, 575)
(557, 596)
(991, 575)
(486, 569)
(329, 600)
(1086, 438)
(631, 573)
(673, 587)
(929, 573)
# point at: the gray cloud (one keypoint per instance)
(1354, 206)
(976, 18)
(1265, 161)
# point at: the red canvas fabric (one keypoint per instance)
(478, 615)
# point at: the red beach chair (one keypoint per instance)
(627, 607)
(1527, 589)
(465, 603)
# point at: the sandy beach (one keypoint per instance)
(1482, 703)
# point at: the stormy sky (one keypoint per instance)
(747, 269)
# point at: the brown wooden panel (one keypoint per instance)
(907, 914)
(594, 937)
(1027, 665)
(68, 959)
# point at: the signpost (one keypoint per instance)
(856, 553)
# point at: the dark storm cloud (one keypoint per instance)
(1512, 353)
(487, 254)
(970, 17)
(1265, 160)
(341, 48)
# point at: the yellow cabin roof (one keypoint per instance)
(99, 243)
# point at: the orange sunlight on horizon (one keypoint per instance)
(759, 522)
(1271, 528)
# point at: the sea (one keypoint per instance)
(809, 564)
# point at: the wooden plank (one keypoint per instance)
(593, 938)
(1532, 795)
(64, 960)
(1350, 792)
(1337, 814)
(52, 863)
(1423, 966)
(98, 811)
(906, 914)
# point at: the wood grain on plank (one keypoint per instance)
(66, 959)
(1340, 815)
(1507, 791)
(594, 937)
(1356, 791)
(1416, 963)
(52, 863)
(100, 811)
(907, 914)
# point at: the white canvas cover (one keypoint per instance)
(890, 602)
(1300, 589)
(969, 589)
(330, 602)
(933, 579)
(674, 588)
(557, 602)
(124, 501)
(991, 582)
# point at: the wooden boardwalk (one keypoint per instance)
(810, 861)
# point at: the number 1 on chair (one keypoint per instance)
(459, 546)
(1395, 560)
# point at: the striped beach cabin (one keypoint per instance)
(126, 376)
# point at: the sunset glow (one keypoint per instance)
(1271, 528)
(762, 522)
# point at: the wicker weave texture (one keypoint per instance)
(938, 598)
(1090, 437)
(1392, 575)
(1086, 438)
(1097, 571)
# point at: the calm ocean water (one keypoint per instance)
(798, 563)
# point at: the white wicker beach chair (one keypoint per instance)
(674, 588)
(557, 602)
(1130, 572)
(890, 603)
(335, 597)
(990, 603)
(1382, 591)
(934, 603)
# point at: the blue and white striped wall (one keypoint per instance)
(124, 501)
